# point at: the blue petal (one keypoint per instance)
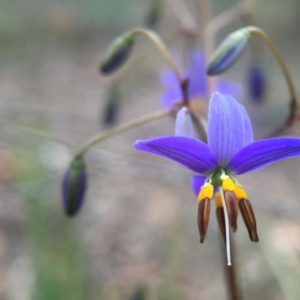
(169, 97)
(197, 75)
(168, 78)
(184, 123)
(173, 91)
(262, 153)
(197, 183)
(189, 152)
(225, 127)
(229, 88)
(248, 137)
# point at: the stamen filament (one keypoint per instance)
(226, 228)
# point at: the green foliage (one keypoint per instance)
(53, 241)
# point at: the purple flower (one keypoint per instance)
(230, 151)
(198, 83)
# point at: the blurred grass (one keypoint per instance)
(55, 251)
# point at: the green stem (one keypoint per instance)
(228, 16)
(183, 15)
(160, 45)
(207, 39)
(157, 41)
(292, 117)
(231, 273)
(124, 127)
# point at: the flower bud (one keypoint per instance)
(184, 123)
(256, 82)
(73, 187)
(111, 109)
(117, 53)
(229, 50)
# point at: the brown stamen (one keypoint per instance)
(232, 209)
(203, 218)
(221, 221)
(249, 219)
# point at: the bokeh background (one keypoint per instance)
(136, 236)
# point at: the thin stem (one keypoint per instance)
(226, 228)
(204, 17)
(124, 127)
(231, 275)
(228, 16)
(292, 117)
(157, 41)
(183, 15)
(199, 127)
(207, 40)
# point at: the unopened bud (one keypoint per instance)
(111, 109)
(73, 187)
(256, 82)
(184, 123)
(117, 53)
(203, 218)
(229, 50)
(249, 219)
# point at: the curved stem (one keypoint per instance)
(157, 41)
(292, 117)
(228, 16)
(207, 39)
(183, 15)
(124, 127)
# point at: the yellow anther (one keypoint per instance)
(228, 185)
(218, 200)
(240, 192)
(206, 192)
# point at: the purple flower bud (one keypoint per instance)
(228, 52)
(256, 83)
(117, 53)
(184, 123)
(73, 187)
(111, 109)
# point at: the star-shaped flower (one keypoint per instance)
(198, 83)
(230, 151)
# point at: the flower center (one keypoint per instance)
(228, 199)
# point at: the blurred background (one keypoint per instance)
(136, 236)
